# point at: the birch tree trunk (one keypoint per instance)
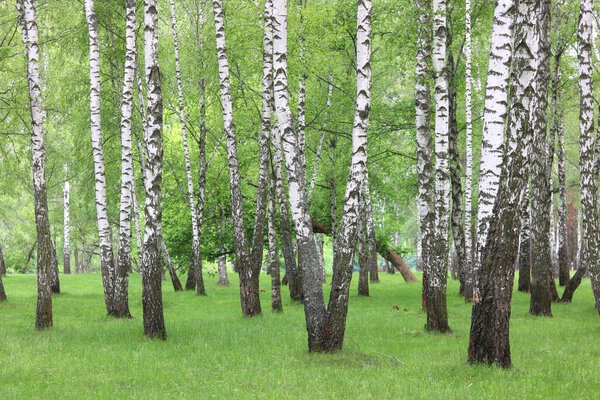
(363, 252)
(29, 30)
(248, 282)
(424, 141)
(124, 253)
(468, 262)
(337, 309)
(317, 160)
(437, 314)
(54, 280)
(66, 229)
(222, 260)
(541, 261)
(489, 337)
(563, 261)
(276, 305)
(308, 253)
(154, 323)
(106, 250)
(524, 260)
(2, 264)
(195, 266)
(588, 259)
(372, 241)
(2, 291)
(495, 106)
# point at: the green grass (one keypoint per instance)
(214, 353)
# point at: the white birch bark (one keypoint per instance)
(29, 30)
(104, 232)
(317, 159)
(66, 226)
(195, 259)
(494, 118)
(249, 295)
(308, 254)
(347, 234)
(468, 263)
(154, 325)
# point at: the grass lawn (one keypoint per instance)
(214, 353)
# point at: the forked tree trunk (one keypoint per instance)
(154, 322)
(489, 337)
(124, 253)
(195, 255)
(66, 231)
(308, 254)
(437, 313)
(335, 323)
(250, 299)
(424, 141)
(541, 194)
(496, 101)
(27, 20)
(107, 265)
(468, 262)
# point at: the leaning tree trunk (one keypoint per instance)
(541, 260)
(154, 322)
(248, 285)
(124, 253)
(106, 250)
(468, 262)
(308, 253)
(587, 172)
(496, 100)
(169, 264)
(27, 20)
(424, 141)
(335, 323)
(66, 230)
(489, 337)
(195, 258)
(437, 313)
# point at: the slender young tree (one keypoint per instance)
(195, 257)
(489, 337)
(124, 253)
(66, 227)
(29, 30)
(276, 305)
(468, 262)
(587, 172)
(563, 261)
(154, 322)
(250, 299)
(495, 106)
(107, 265)
(317, 159)
(424, 140)
(372, 241)
(541, 260)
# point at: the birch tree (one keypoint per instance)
(107, 265)
(468, 229)
(495, 106)
(424, 140)
(489, 337)
(273, 259)
(66, 227)
(248, 284)
(154, 323)
(29, 33)
(588, 259)
(195, 266)
(308, 253)
(124, 253)
(541, 261)
(563, 261)
(437, 314)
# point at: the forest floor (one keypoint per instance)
(214, 353)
